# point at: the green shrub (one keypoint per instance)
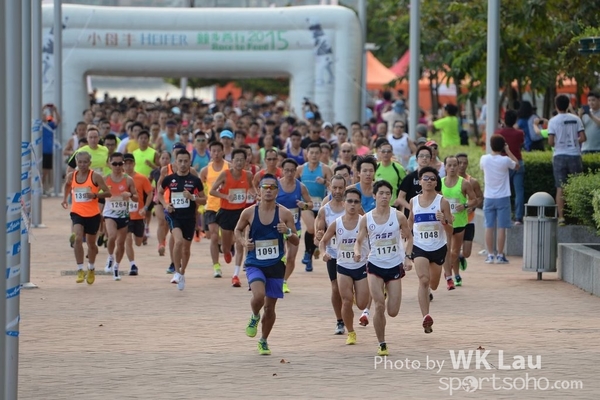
(538, 173)
(578, 193)
(596, 206)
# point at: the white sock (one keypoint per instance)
(111, 258)
(90, 266)
(79, 267)
(236, 270)
(116, 267)
(366, 311)
(132, 263)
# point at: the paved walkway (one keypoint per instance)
(143, 339)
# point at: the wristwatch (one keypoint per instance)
(289, 232)
(409, 256)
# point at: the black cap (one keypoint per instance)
(128, 157)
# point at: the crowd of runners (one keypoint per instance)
(255, 180)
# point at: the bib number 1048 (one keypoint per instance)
(429, 235)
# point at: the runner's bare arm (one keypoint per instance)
(242, 224)
(287, 218)
(320, 224)
(407, 235)
(105, 190)
(214, 190)
(362, 235)
(306, 203)
(325, 239)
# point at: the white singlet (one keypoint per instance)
(346, 238)
(387, 249)
(331, 216)
(428, 232)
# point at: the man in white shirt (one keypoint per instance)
(565, 134)
(496, 196)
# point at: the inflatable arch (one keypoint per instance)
(318, 47)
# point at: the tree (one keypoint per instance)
(276, 86)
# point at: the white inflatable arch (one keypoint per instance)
(318, 47)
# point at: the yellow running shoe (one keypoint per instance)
(91, 276)
(286, 289)
(80, 276)
(252, 327)
(351, 338)
(263, 348)
(383, 350)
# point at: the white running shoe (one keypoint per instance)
(108, 267)
(176, 277)
(116, 275)
(181, 283)
(482, 252)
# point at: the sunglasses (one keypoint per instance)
(346, 151)
(200, 140)
(427, 156)
(427, 178)
(352, 201)
(385, 151)
(272, 187)
(117, 164)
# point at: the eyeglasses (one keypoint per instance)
(385, 151)
(425, 156)
(427, 178)
(399, 126)
(346, 151)
(239, 160)
(200, 140)
(271, 186)
(117, 164)
(352, 201)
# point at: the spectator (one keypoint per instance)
(566, 134)
(526, 116)
(590, 116)
(51, 120)
(448, 125)
(515, 139)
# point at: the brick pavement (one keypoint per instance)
(143, 339)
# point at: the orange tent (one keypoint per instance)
(378, 75)
(401, 66)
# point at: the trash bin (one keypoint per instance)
(539, 234)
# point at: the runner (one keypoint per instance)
(185, 194)
(265, 270)
(429, 220)
(350, 273)
(387, 261)
(463, 164)
(116, 212)
(325, 217)
(137, 210)
(209, 175)
(232, 187)
(456, 190)
(294, 196)
(84, 186)
(315, 176)
(270, 167)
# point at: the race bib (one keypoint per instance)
(316, 202)
(118, 204)
(428, 232)
(333, 242)
(239, 196)
(346, 252)
(267, 249)
(179, 201)
(134, 206)
(453, 204)
(295, 214)
(386, 248)
(250, 198)
(79, 194)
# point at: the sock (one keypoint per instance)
(217, 265)
(236, 271)
(132, 263)
(382, 343)
(90, 266)
(449, 278)
(116, 267)
(255, 316)
(309, 243)
(79, 267)
(457, 277)
(284, 281)
(111, 257)
(366, 311)
(340, 321)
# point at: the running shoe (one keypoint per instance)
(235, 281)
(363, 320)
(175, 278)
(100, 240)
(562, 222)
(90, 277)
(217, 271)
(316, 254)
(161, 249)
(116, 275)
(430, 296)
(80, 276)
(133, 271)
(500, 259)
(181, 283)
(489, 259)
(197, 235)
(340, 328)
(227, 256)
(457, 280)
(427, 323)
(351, 338)
(72, 240)
(383, 350)
(450, 284)
(306, 258)
(309, 266)
(171, 269)
(286, 289)
(252, 327)
(108, 266)
(263, 348)
(462, 263)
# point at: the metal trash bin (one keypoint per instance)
(539, 234)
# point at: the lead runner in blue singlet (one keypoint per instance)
(265, 270)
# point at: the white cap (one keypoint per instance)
(327, 125)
